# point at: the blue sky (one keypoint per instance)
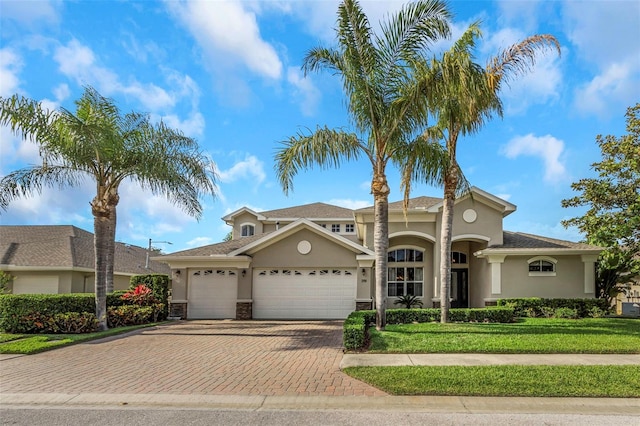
(228, 74)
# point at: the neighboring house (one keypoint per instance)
(316, 261)
(60, 259)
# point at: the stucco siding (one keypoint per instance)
(568, 282)
(243, 219)
(479, 277)
(284, 253)
(488, 221)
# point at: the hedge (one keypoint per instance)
(535, 306)
(159, 285)
(355, 327)
(21, 313)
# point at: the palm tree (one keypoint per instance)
(100, 143)
(384, 102)
(463, 95)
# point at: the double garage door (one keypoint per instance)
(277, 293)
(304, 293)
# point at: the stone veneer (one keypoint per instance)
(178, 310)
(363, 306)
(244, 310)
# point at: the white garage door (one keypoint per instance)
(35, 284)
(212, 294)
(304, 293)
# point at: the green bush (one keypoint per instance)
(566, 313)
(159, 285)
(74, 323)
(32, 313)
(129, 315)
(533, 306)
(354, 329)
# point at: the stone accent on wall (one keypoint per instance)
(490, 303)
(244, 310)
(436, 304)
(363, 306)
(178, 310)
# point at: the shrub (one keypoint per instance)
(354, 329)
(547, 311)
(596, 312)
(533, 306)
(159, 285)
(566, 313)
(74, 323)
(409, 301)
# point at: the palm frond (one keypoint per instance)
(324, 147)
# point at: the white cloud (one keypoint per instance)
(251, 168)
(10, 66)
(616, 83)
(547, 148)
(30, 12)
(192, 126)
(606, 36)
(304, 91)
(228, 32)
(61, 92)
(200, 241)
(350, 204)
(78, 61)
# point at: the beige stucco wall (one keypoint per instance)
(243, 219)
(479, 277)
(284, 254)
(488, 222)
(568, 282)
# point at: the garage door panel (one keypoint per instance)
(304, 294)
(212, 294)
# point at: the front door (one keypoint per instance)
(459, 288)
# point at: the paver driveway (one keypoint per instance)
(195, 357)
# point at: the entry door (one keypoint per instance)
(459, 288)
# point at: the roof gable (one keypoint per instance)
(310, 211)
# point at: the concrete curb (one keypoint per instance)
(359, 360)
(434, 404)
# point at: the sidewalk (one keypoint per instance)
(378, 360)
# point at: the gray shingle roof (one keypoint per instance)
(520, 240)
(225, 247)
(66, 246)
(310, 211)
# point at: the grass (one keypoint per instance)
(530, 335)
(505, 380)
(27, 344)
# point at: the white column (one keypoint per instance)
(496, 272)
(589, 272)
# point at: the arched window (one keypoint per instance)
(542, 266)
(458, 257)
(405, 273)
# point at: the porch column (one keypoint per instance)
(496, 272)
(589, 261)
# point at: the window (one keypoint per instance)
(458, 257)
(542, 266)
(349, 228)
(247, 230)
(335, 227)
(402, 277)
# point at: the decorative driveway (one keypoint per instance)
(195, 357)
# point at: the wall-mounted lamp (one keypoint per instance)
(178, 272)
(364, 272)
(244, 272)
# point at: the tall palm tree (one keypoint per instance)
(101, 143)
(463, 96)
(383, 101)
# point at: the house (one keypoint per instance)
(316, 261)
(60, 259)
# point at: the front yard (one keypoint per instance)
(530, 335)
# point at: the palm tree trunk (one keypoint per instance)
(446, 229)
(381, 191)
(101, 233)
(110, 255)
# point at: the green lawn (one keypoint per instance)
(29, 343)
(530, 335)
(505, 380)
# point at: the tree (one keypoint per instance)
(613, 218)
(464, 96)
(5, 280)
(383, 102)
(101, 143)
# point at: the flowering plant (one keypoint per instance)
(141, 295)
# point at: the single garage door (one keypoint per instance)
(212, 294)
(35, 284)
(304, 293)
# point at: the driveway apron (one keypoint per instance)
(195, 357)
